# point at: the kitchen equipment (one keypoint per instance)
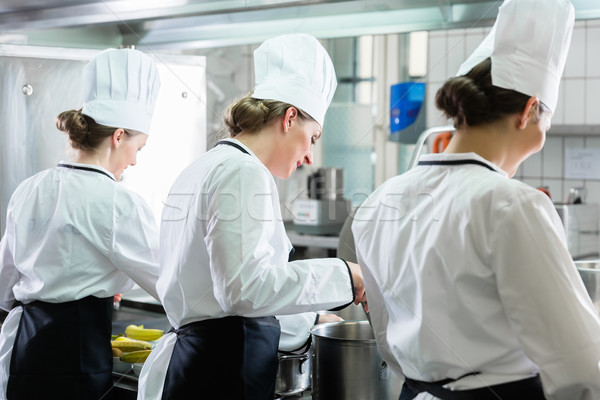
(326, 184)
(293, 374)
(582, 229)
(577, 195)
(441, 141)
(590, 274)
(325, 209)
(347, 364)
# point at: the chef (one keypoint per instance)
(473, 293)
(75, 237)
(224, 251)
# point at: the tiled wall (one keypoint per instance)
(578, 104)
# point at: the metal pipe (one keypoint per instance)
(421, 141)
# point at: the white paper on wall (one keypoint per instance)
(581, 163)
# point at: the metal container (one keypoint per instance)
(293, 374)
(582, 229)
(347, 364)
(590, 274)
(326, 184)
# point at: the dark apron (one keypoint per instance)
(230, 358)
(530, 389)
(62, 351)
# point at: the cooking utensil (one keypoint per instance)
(347, 364)
(293, 374)
(441, 141)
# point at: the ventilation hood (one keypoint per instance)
(181, 24)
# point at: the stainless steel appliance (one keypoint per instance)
(582, 229)
(325, 209)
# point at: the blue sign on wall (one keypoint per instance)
(406, 101)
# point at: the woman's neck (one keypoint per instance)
(494, 142)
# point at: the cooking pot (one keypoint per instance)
(347, 364)
(293, 374)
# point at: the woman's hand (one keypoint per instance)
(359, 286)
(323, 318)
(117, 299)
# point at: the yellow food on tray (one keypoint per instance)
(136, 356)
(141, 333)
(127, 344)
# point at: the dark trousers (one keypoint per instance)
(62, 351)
(230, 358)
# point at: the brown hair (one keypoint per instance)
(250, 114)
(84, 133)
(472, 99)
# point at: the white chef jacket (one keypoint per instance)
(73, 233)
(224, 251)
(468, 271)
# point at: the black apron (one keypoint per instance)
(230, 358)
(62, 351)
(529, 388)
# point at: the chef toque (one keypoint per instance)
(120, 89)
(528, 45)
(295, 69)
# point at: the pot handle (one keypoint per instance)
(301, 365)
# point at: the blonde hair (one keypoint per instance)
(250, 115)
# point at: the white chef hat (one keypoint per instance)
(120, 89)
(295, 69)
(528, 46)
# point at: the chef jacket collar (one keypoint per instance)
(90, 166)
(242, 145)
(462, 156)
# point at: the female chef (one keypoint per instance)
(74, 238)
(224, 250)
(472, 291)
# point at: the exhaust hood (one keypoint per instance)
(180, 24)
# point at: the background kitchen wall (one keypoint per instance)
(575, 123)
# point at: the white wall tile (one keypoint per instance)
(473, 38)
(519, 174)
(434, 116)
(534, 183)
(592, 142)
(592, 53)
(575, 142)
(456, 52)
(589, 23)
(552, 158)
(574, 102)
(532, 166)
(593, 191)
(575, 66)
(559, 113)
(555, 187)
(592, 101)
(436, 58)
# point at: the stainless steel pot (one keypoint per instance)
(590, 274)
(347, 364)
(293, 374)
